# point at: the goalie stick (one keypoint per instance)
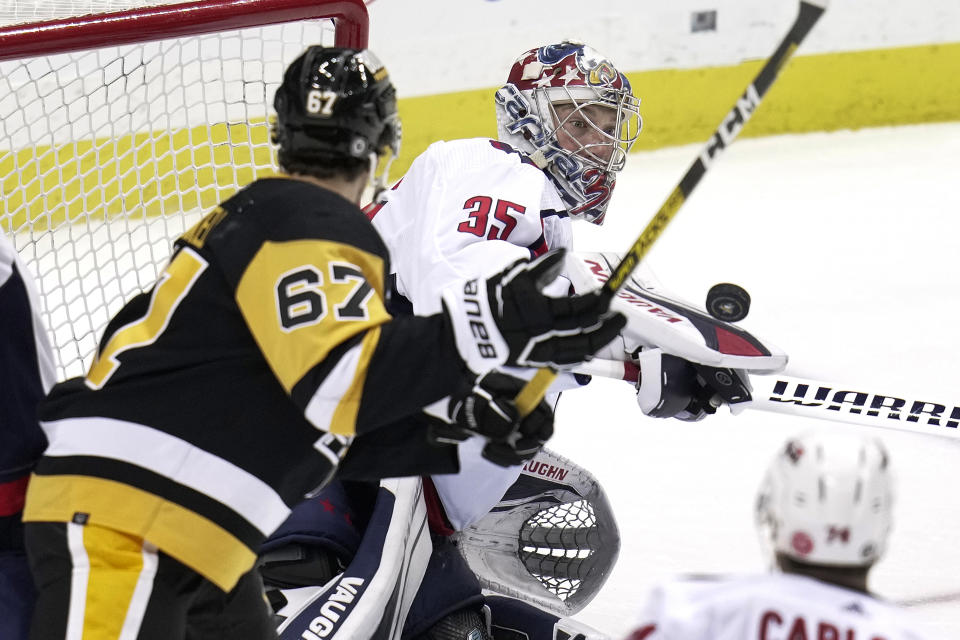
(810, 11)
(854, 404)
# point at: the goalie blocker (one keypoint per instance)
(684, 362)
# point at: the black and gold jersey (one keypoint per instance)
(233, 387)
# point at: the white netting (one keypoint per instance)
(17, 11)
(109, 154)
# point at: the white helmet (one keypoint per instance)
(581, 155)
(827, 499)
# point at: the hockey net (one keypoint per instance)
(119, 130)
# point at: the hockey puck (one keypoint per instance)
(728, 302)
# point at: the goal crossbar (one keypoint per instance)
(120, 129)
(177, 20)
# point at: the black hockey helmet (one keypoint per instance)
(335, 103)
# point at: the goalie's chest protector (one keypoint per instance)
(196, 426)
(467, 205)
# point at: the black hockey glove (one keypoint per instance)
(488, 410)
(506, 319)
(671, 387)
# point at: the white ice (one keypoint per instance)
(848, 244)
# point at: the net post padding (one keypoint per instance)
(178, 20)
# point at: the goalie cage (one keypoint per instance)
(119, 130)
(552, 540)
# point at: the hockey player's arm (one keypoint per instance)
(491, 321)
(26, 367)
(316, 310)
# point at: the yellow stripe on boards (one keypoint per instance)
(291, 301)
(156, 173)
(137, 175)
(116, 562)
(194, 540)
(827, 92)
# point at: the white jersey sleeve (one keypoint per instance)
(767, 607)
(466, 207)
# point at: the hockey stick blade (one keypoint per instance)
(852, 404)
(810, 11)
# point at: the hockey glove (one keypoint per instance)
(488, 410)
(506, 319)
(671, 387)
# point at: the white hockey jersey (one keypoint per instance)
(464, 206)
(768, 607)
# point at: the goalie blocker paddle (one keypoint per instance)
(733, 122)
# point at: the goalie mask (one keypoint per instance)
(335, 104)
(827, 500)
(569, 109)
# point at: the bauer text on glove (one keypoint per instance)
(506, 319)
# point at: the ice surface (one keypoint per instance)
(848, 244)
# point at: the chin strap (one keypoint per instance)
(379, 182)
(539, 159)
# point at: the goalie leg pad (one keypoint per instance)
(317, 540)
(448, 603)
(372, 596)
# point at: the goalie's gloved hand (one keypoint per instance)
(488, 410)
(670, 387)
(506, 319)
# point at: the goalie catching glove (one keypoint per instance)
(489, 411)
(671, 387)
(507, 319)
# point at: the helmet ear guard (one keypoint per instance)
(827, 499)
(336, 104)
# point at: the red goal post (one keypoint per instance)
(143, 24)
(119, 130)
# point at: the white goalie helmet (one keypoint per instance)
(827, 499)
(569, 109)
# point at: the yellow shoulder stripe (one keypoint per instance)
(303, 298)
